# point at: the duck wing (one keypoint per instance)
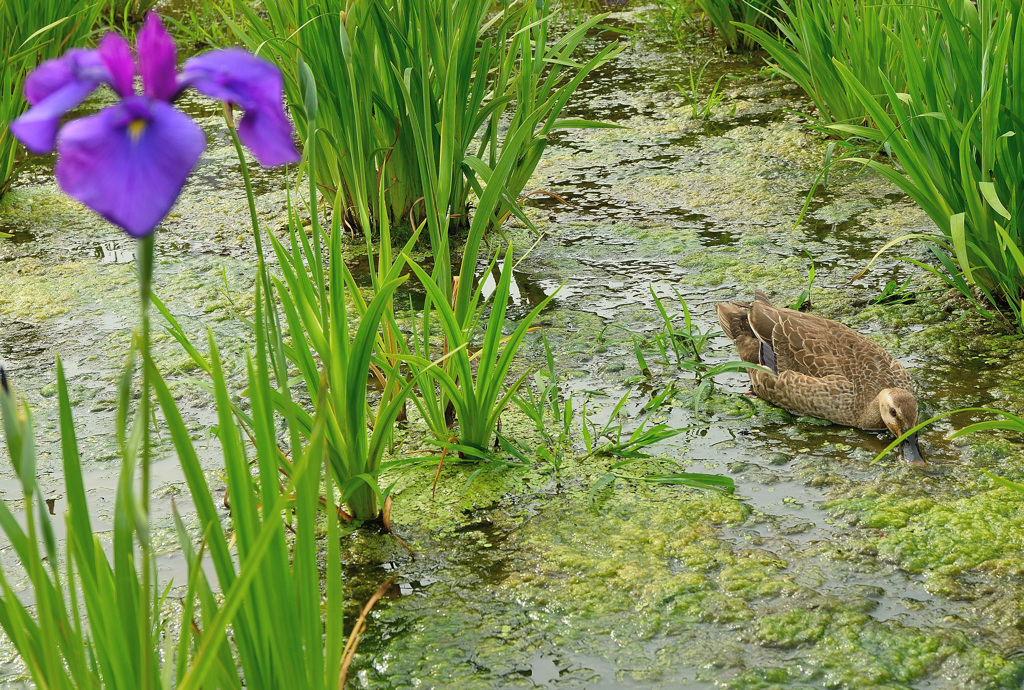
(824, 368)
(804, 343)
(830, 397)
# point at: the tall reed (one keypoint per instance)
(955, 130)
(416, 90)
(32, 31)
(728, 16)
(285, 631)
(810, 35)
(88, 627)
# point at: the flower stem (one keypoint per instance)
(264, 274)
(229, 118)
(144, 260)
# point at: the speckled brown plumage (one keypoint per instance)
(824, 368)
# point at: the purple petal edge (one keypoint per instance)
(116, 55)
(52, 89)
(268, 134)
(157, 59)
(37, 128)
(75, 66)
(254, 85)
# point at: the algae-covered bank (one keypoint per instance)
(823, 570)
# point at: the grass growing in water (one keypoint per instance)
(809, 35)
(53, 644)
(727, 16)
(322, 346)
(955, 133)
(536, 407)
(281, 626)
(632, 449)
(476, 395)
(421, 86)
(701, 109)
(937, 88)
(681, 18)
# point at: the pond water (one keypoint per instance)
(823, 571)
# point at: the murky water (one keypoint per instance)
(827, 572)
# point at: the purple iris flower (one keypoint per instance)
(129, 161)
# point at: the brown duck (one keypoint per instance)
(823, 368)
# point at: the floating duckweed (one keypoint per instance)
(791, 629)
(35, 292)
(950, 538)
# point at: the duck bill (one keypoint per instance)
(911, 453)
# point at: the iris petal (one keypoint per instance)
(268, 134)
(54, 88)
(254, 85)
(129, 161)
(157, 59)
(37, 129)
(116, 55)
(76, 65)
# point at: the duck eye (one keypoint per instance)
(892, 411)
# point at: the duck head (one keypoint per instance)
(898, 409)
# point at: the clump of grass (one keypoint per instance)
(728, 16)
(687, 342)
(611, 441)
(686, 18)
(424, 89)
(90, 628)
(701, 109)
(955, 131)
(537, 407)
(477, 394)
(678, 477)
(895, 293)
(203, 23)
(937, 87)
(674, 18)
(328, 352)
(53, 643)
(284, 629)
(809, 35)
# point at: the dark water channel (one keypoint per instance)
(827, 572)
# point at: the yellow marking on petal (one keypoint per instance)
(135, 129)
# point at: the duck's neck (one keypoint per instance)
(871, 417)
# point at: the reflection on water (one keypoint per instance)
(114, 252)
